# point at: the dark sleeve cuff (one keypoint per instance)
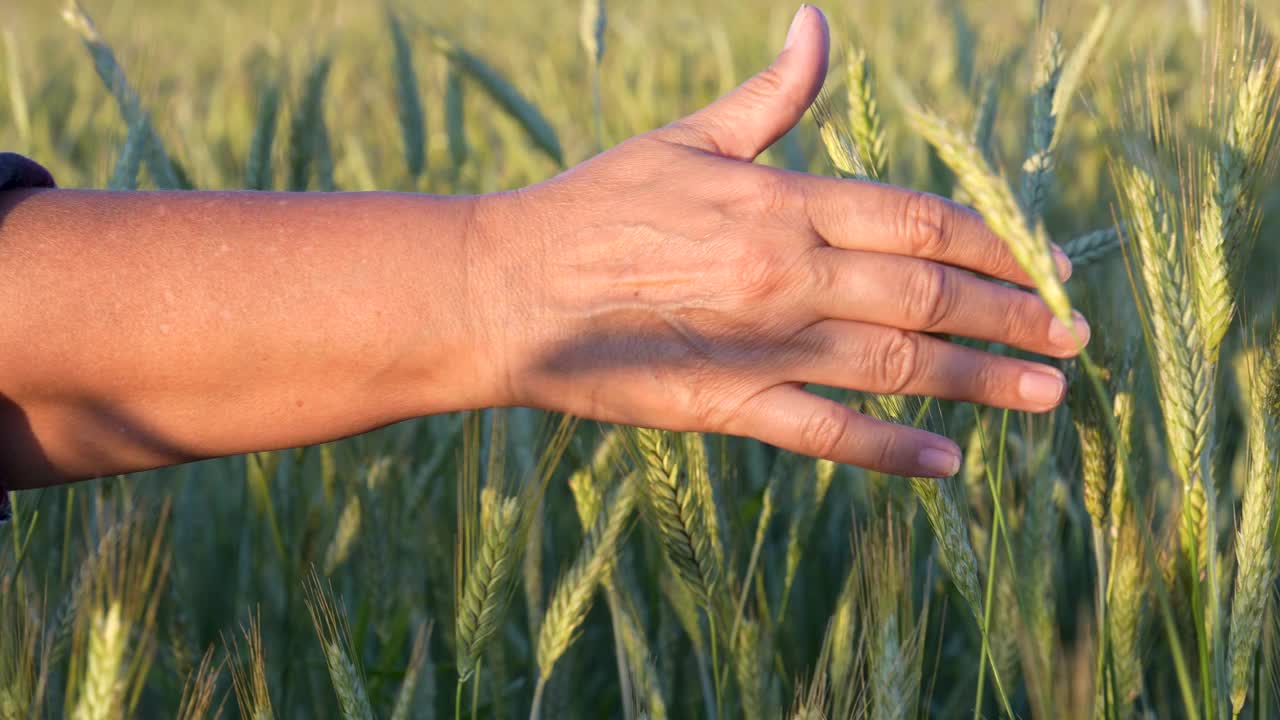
(17, 171)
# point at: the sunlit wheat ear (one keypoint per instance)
(487, 578)
(116, 630)
(592, 23)
(20, 671)
(1255, 552)
(1126, 609)
(894, 641)
(1122, 409)
(199, 689)
(1037, 169)
(676, 513)
(747, 659)
(838, 141)
(573, 593)
(345, 535)
(844, 648)
(865, 126)
(249, 674)
(1183, 371)
(1096, 452)
(992, 197)
(695, 459)
(102, 691)
(330, 621)
(1229, 208)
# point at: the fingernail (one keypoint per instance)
(1070, 338)
(1062, 261)
(795, 23)
(1042, 387)
(939, 462)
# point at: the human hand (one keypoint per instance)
(671, 283)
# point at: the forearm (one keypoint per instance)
(144, 329)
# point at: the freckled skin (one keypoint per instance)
(669, 282)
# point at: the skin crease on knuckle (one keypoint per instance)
(927, 223)
(928, 297)
(897, 359)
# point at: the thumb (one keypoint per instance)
(754, 115)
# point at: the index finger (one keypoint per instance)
(863, 215)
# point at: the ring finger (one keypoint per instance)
(873, 358)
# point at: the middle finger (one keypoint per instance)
(926, 296)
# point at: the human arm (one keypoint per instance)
(668, 282)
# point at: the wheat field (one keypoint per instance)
(1115, 558)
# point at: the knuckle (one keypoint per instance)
(897, 361)
(926, 224)
(885, 452)
(758, 276)
(825, 431)
(826, 279)
(1023, 318)
(929, 296)
(768, 83)
(770, 193)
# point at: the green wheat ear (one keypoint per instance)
(330, 621)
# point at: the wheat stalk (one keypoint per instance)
(258, 175)
(572, 596)
(942, 500)
(163, 171)
(639, 661)
(1037, 169)
(307, 136)
(504, 94)
(991, 195)
(406, 698)
(408, 99)
(455, 117)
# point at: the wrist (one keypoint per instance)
(499, 257)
